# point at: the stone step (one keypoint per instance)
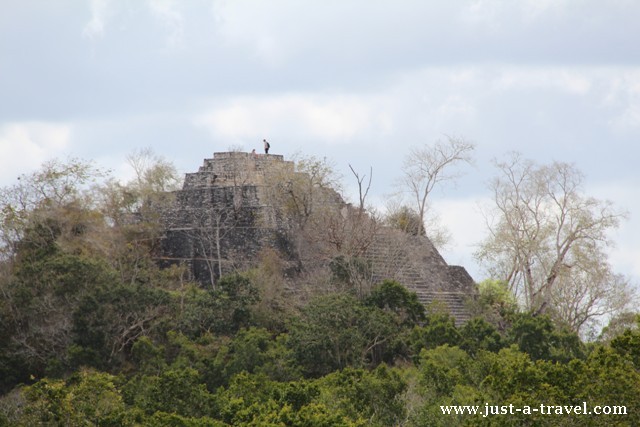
(455, 302)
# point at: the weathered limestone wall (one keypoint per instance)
(236, 168)
(221, 218)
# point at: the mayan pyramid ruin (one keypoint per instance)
(235, 205)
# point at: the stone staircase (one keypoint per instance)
(415, 263)
(454, 302)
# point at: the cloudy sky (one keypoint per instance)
(357, 81)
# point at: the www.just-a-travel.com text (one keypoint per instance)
(489, 410)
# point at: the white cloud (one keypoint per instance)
(628, 120)
(484, 12)
(625, 259)
(455, 107)
(495, 15)
(623, 96)
(95, 28)
(480, 102)
(574, 80)
(24, 146)
(121, 14)
(624, 255)
(261, 28)
(464, 220)
(331, 119)
(166, 11)
(536, 9)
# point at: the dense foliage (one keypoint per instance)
(92, 332)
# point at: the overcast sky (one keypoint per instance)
(359, 82)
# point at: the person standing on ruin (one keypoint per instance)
(266, 146)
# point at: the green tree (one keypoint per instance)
(44, 294)
(628, 344)
(237, 295)
(495, 303)
(478, 334)
(255, 350)
(87, 398)
(179, 391)
(374, 396)
(336, 331)
(611, 379)
(446, 375)
(256, 401)
(223, 311)
(391, 296)
(438, 329)
(540, 339)
(109, 320)
(64, 253)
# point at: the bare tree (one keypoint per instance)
(345, 236)
(427, 166)
(208, 230)
(302, 192)
(153, 173)
(349, 230)
(134, 211)
(591, 293)
(210, 226)
(362, 192)
(303, 198)
(547, 240)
